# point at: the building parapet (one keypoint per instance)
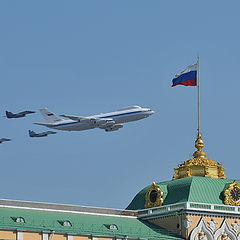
(191, 206)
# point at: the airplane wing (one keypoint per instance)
(75, 118)
(83, 118)
(98, 122)
(45, 124)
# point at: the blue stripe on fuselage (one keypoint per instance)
(121, 114)
(109, 116)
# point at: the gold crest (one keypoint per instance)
(154, 196)
(232, 194)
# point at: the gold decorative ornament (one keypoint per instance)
(232, 194)
(154, 196)
(199, 165)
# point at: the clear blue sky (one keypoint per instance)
(88, 57)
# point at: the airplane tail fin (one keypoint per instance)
(49, 116)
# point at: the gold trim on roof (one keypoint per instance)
(157, 198)
(199, 165)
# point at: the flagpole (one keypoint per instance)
(198, 86)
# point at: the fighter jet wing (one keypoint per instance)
(51, 132)
(26, 112)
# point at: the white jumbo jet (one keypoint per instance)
(108, 121)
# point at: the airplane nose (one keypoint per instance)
(151, 112)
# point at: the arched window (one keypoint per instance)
(18, 219)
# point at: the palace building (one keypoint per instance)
(199, 203)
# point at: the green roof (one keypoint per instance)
(191, 189)
(97, 225)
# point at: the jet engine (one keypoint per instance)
(113, 128)
(103, 123)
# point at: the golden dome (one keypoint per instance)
(199, 165)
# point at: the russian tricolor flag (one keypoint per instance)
(187, 77)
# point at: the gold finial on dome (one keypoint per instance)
(199, 144)
(199, 165)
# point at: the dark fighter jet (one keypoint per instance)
(18, 115)
(4, 140)
(42, 134)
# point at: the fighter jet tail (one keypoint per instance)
(8, 114)
(31, 133)
(49, 116)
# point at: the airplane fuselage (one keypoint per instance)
(119, 117)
